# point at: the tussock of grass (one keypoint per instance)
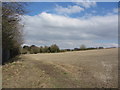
(65, 72)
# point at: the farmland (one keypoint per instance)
(77, 69)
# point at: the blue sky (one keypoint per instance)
(102, 8)
(70, 24)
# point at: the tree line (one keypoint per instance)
(51, 49)
(12, 38)
(34, 49)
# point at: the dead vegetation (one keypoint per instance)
(83, 69)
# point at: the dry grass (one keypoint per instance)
(83, 69)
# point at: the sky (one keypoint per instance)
(71, 24)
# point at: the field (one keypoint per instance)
(77, 69)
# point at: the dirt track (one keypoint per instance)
(83, 69)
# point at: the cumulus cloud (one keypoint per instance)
(78, 7)
(69, 9)
(47, 29)
(86, 4)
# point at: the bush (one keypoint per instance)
(31, 51)
(41, 49)
(100, 47)
(24, 51)
(76, 49)
(63, 50)
(91, 48)
(34, 49)
(54, 48)
(27, 48)
(47, 49)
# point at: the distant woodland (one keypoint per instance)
(51, 49)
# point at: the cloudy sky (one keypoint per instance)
(70, 24)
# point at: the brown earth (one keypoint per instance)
(78, 69)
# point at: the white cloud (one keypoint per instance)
(115, 10)
(47, 29)
(69, 9)
(78, 7)
(86, 4)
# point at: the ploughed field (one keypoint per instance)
(77, 69)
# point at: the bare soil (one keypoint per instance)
(78, 69)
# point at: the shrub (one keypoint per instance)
(47, 49)
(41, 49)
(76, 49)
(31, 51)
(27, 48)
(34, 49)
(54, 48)
(63, 50)
(100, 47)
(24, 51)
